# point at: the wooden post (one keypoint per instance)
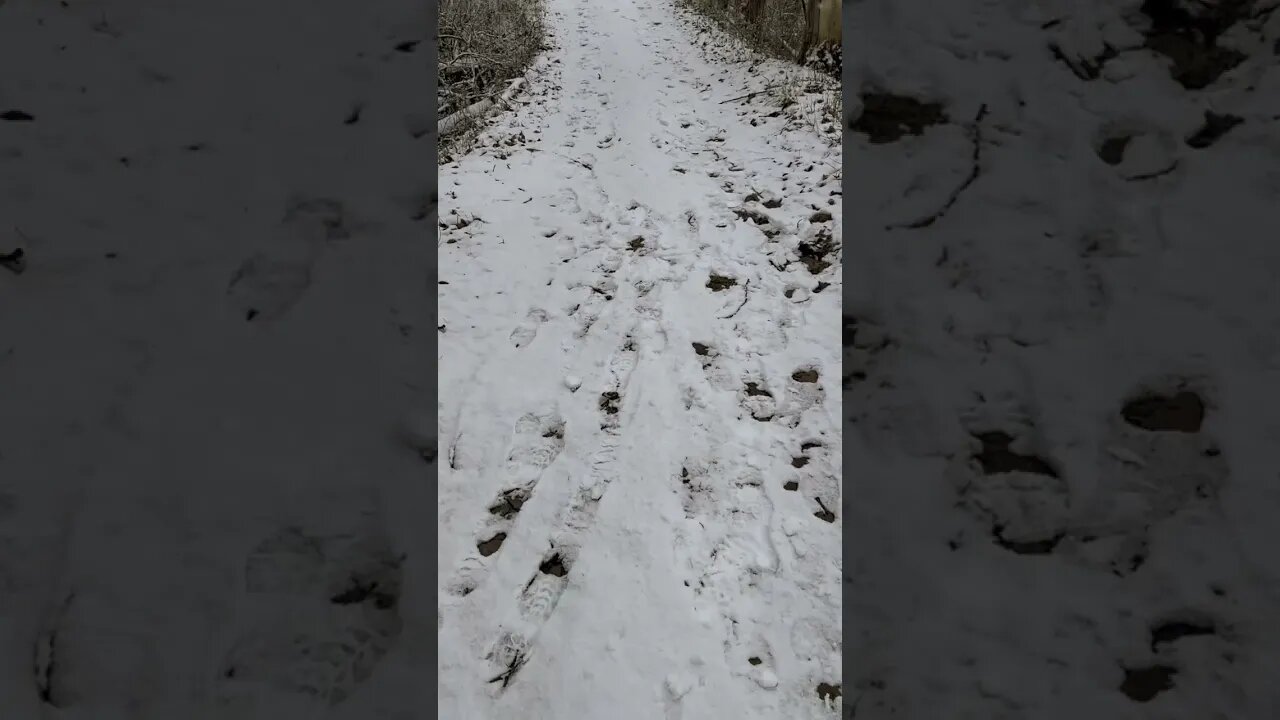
(828, 21)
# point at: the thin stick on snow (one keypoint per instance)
(746, 289)
(974, 172)
(749, 95)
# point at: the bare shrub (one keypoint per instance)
(777, 28)
(483, 44)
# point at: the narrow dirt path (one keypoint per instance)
(639, 297)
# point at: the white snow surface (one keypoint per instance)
(617, 439)
(203, 515)
(1056, 289)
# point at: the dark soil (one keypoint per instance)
(1143, 684)
(1168, 632)
(813, 253)
(509, 503)
(1215, 126)
(827, 691)
(492, 545)
(1181, 412)
(1112, 149)
(609, 402)
(554, 565)
(807, 375)
(720, 282)
(888, 118)
(996, 457)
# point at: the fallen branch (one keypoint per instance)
(575, 162)
(479, 109)
(749, 95)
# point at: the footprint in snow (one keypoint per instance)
(265, 287)
(526, 331)
(322, 610)
(271, 282)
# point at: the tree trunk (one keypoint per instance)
(752, 9)
(810, 9)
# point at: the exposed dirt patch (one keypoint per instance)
(791, 485)
(1111, 151)
(1143, 684)
(1190, 40)
(753, 389)
(554, 565)
(799, 461)
(828, 692)
(888, 118)
(805, 375)
(720, 282)
(702, 350)
(359, 591)
(1181, 412)
(813, 253)
(509, 503)
(609, 402)
(996, 457)
(636, 244)
(1215, 126)
(752, 214)
(1168, 632)
(492, 545)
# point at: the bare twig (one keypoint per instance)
(975, 132)
(749, 95)
(746, 289)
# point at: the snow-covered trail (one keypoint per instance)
(222, 319)
(639, 485)
(1066, 500)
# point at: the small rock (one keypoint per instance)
(573, 382)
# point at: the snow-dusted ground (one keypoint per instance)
(1111, 555)
(221, 322)
(639, 389)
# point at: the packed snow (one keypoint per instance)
(639, 500)
(214, 366)
(1063, 318)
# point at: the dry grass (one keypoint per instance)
(483, 44)
(779, 31)
(808, 96)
